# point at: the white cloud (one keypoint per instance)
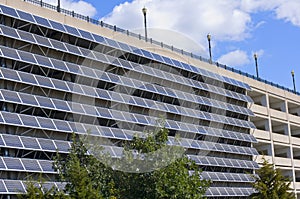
(225, 20)
(221, 18)
(235, 58)
(284, 9)
(289, 11)
(80, 6)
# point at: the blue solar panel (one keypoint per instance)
(11, 118)
(42, 21)
(13, 163)
(30, 143)
(45, 102)
(167, 60)
(73, 68)
(25, 77)
(46, 123)
(62, 125)
(12, 141)
(60, 85)
(62, 105)
(46, 166)
(43, 41)
(57, 26)
(99, 39)
(9, 31)
(10, 53)
(86, 34)
(73, 49)
(87, 53)
(9, 11)
(44, 81)
(125, 47)
(176, 63)
(88, 72)
(27, 57)
(10, 96)
(72, 30)
(29, 121)
(26, 16)
(112, 43)
(59, 64)
(104, 113)
(58, 45)
(147, 54)
(31, 165)
(44, 61)
(62, 146)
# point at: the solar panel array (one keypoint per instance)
(35, 110)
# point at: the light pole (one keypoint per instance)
(209, 47)
(256, 64)
(58, 5)
(293, 76)
(144, 10)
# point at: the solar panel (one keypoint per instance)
(44, 61)
(9, 11)
(59, 84)
(9, 31)
(27, 57)
(13, 163)
(59, 64)
(30, 143)
(31, 165)
(46, 166)
(44, 81)
(14, 186)
(62, 146)
(11, 96)
(60, 104)
(46, 123)
(72, 30)
(86, 34)
(43, 41)
(47, 144)
(12, 141)
(62, 125)
(42, 21)
(58, 45)
(11, 118)
(57, 26)
(29, 121)
(26, 16)
(11, 53)
(73, 49)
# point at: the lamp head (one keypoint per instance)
(255, 56)
(208, 37)
(293, 72)
(144, 10)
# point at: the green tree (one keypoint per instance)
(178, 178)
(271, 184)
(173, 175)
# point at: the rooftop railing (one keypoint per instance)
(150, 40)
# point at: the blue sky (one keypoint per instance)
(238, 28)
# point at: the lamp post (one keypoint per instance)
(58, 5)
(256, 64)
(144, 10)
(209, 47)
(293, 76)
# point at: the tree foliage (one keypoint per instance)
(87, 177)
(271, 184)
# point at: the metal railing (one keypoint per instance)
(150, 40)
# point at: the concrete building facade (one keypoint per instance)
(60, 74)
